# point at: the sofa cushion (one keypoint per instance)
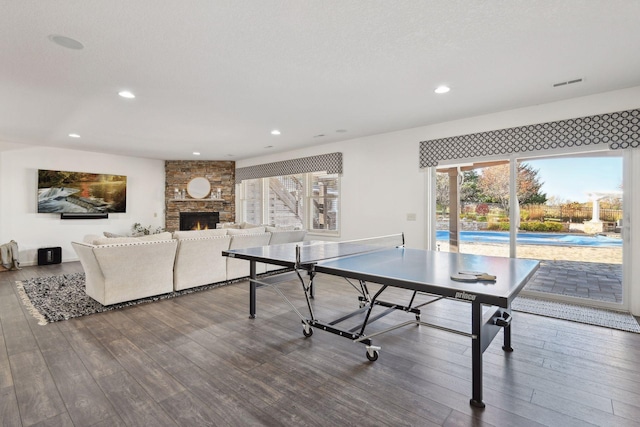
(191, 234)
(236, 232)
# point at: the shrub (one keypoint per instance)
(553, 226)
(546, 226)
(498, 226)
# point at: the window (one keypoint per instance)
(309, 201)
(252, 201)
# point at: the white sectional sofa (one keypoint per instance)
(127, 268)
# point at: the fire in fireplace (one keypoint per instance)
(199, 220)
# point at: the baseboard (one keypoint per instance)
(35, 263)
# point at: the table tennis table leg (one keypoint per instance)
(506, 345)
(252, 289)
(476, 355)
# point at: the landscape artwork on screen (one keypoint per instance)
(81, 192)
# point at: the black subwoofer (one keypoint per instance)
(48, 256)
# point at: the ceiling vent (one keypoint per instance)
(570, 82)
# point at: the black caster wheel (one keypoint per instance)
(308, 333)
(372, 357)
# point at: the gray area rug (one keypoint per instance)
(55, 298)
(576, 313)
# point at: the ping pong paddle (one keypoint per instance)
(472, 276)
(458, 277)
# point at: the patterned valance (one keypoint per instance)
(619, 130)
(331, 163)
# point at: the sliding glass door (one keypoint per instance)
(566, 211)
(575, 228)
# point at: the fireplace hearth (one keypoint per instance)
(198, 220)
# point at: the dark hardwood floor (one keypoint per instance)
(199, 360)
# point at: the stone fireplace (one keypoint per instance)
(178, 174)
(198, 220)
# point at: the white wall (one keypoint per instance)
(20, 221)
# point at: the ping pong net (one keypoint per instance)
(320, 251)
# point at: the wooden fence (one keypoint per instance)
(567, 213)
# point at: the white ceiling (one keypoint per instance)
(216, 76)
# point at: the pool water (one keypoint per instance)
(555, 239)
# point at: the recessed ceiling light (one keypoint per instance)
(67, 42)
(275, 132)
(126, 94)
(230, 155)
(269, 146)
(442, 89)
(341, 130)
(74, 135)
(319, 135)
(196, 153)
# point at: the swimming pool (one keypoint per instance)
(554, 239)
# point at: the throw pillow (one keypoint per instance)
(108, 234)
(228, 225)
(248, 225)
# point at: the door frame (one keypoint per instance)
(631, 170)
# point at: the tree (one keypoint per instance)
(494, 185)
(529, 186)
(556, 201)
(442, 191)
(469, 191)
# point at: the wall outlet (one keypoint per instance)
(411, 217)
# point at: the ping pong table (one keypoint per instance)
(385, 261)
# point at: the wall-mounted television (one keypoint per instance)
(81, 192)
